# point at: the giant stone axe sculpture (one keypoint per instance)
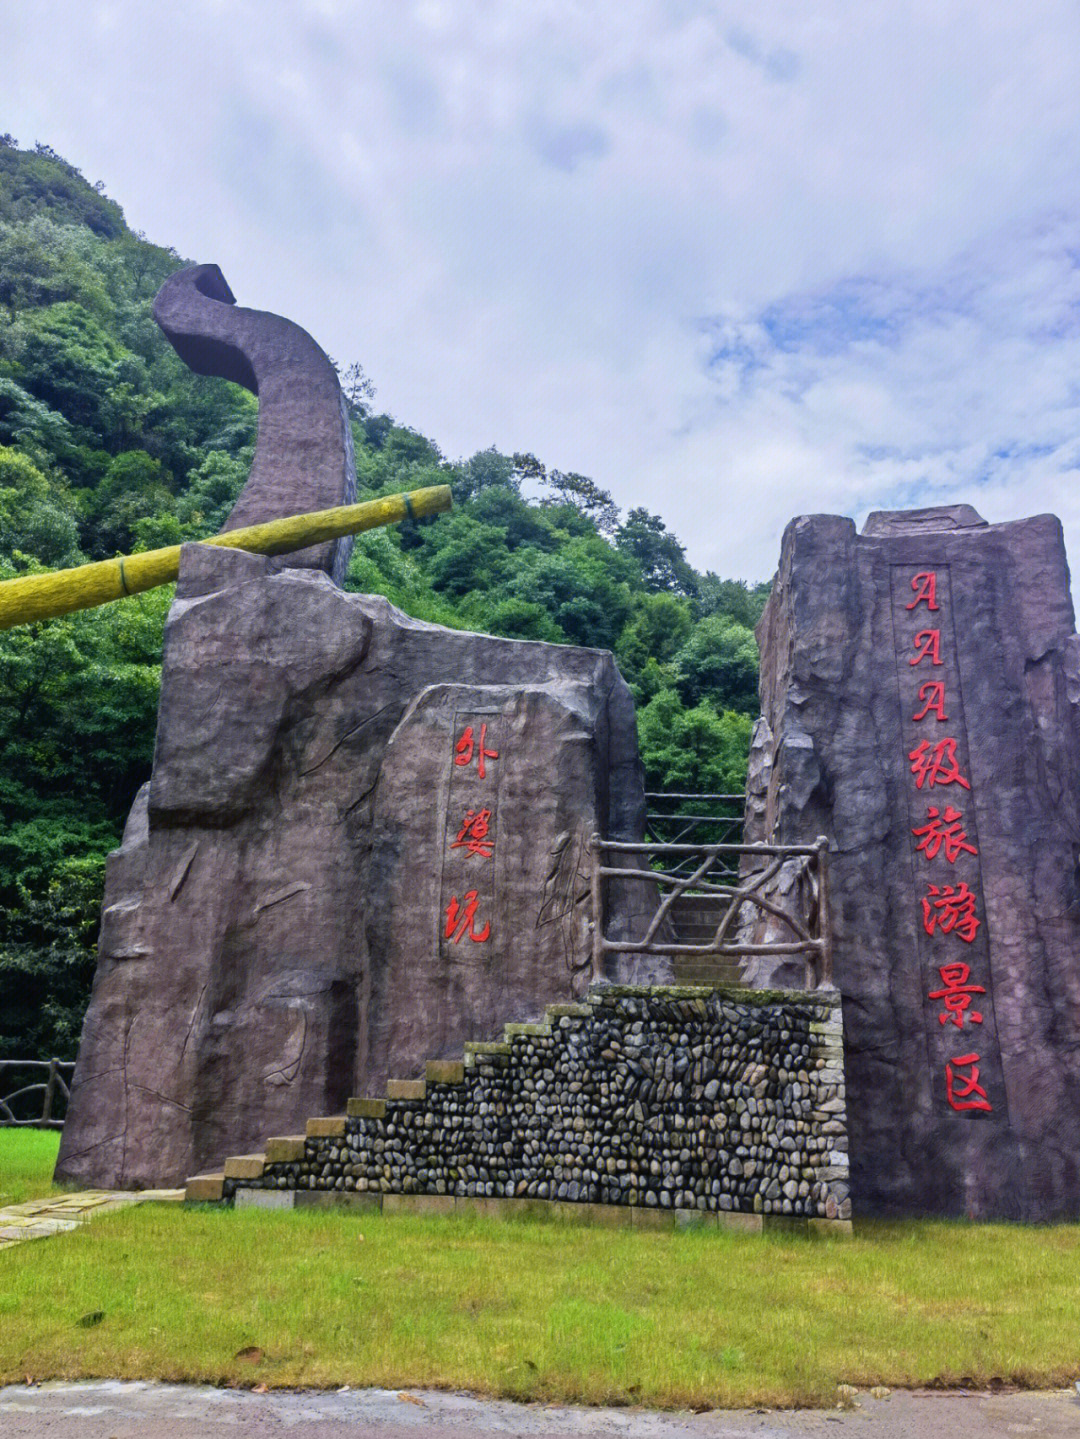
(304, 453)
(303, 456)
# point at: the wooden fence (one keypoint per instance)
(672, 818)
(737, 882)
(54, 1090)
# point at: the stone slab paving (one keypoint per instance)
(111, 1410)
(59, 1214)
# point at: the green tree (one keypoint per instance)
(466, 557)
(214, 487)
(42, 434)
(42, 263)
(696, 750)
(584, 586)
(65, 356)
(734, 598)
(520, 619)
(35, 520)
(39, 182)
(47, 947)
(661, 558)
(585, 496)
(486, 470)
(520, 522)
(659, 625)
(358, 391)
(719, 661)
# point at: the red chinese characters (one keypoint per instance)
(471, 819)
(933, 764)
(943, 832)
(956, 995)
(950, 909)
(964, 1091)
(474, 836)
(461, 920)
(467, 746)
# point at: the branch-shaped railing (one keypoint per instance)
(53, 1088)
(678, 871)
(672, 818)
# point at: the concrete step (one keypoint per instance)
(285, 1148)
(330, 1126)
(698, 911)
(445, 1071)
(245, 1166)
(689, 969)
(204, 1189)
(366, 1109)
(696, 918)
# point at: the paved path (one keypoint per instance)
(56, 1214)
(173, 1411)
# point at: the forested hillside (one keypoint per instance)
(109, 444)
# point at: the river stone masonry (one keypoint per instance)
(715, 1100)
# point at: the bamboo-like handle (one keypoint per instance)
(60, 592)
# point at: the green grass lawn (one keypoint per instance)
(535, 1310)
(27, 1157)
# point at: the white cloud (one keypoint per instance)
(915, 390)
(737, 261)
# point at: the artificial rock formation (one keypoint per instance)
(304, 451)
(363, 843)
(920, 684)
(364, 840)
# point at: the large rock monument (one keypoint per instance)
(920, 687)
(364, 840)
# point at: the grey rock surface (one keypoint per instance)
(274, 934)
(511, 840)
(891, 706)
(304, 453)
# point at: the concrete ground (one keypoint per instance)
(60, 1213)
(112, 1410)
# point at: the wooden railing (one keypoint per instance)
(53, 1088)
(731, 880)
(672, 818)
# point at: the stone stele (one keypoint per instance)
(920, 684)
(364, 841)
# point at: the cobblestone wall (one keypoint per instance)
(675, 1098)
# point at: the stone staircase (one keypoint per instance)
(694, 919)
(283, 1149)
(706, 1104)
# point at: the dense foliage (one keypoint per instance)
(108, 443)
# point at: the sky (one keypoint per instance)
(735, 261)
